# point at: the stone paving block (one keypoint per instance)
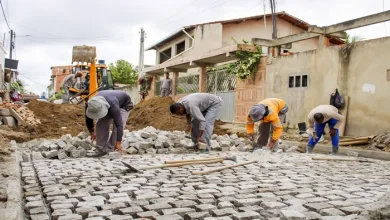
(179, 211)
(223, 212)
(119, 217)
(360, 201)
(148, 214)
(95, 203)
(223, 205)
(62, 206)
(218, 218)
(34, 204)
(125, 200)
(39, 217)
(305, 196)
(196, 215)
(273, 205)
(158, 207)
(184, 203)
(291, 215)
(169, 217)
(246, 202)
(332, 212)
(249, 215)
(131, 210)
(317, 206)
(95, 218)
(102, 213)
(312, 216)
(70, 217)
(350, 210)
(39, 210)
(114, 207)
(340, 203)
(83, 211)
(60, 212)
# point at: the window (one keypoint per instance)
(180, 47)
(304, 80)
(165, 55)
(297, 81)
(290, 82)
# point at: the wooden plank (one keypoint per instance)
(344, 112)
(17, 117)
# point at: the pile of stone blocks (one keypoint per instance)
(151, 140)
(146, 141)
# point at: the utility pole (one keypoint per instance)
(141, 53)
(12, 43)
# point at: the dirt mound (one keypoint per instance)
(381, 142)
(56, 120)
(155, 112)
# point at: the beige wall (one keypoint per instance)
(255, 29)
(362, 77)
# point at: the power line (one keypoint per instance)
(181, 10)
(6, 21)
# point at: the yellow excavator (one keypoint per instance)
(98, 75)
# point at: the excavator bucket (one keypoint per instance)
(84, 54)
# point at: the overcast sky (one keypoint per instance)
(113, 26)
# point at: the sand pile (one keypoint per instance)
(155, 112)
(56, 120)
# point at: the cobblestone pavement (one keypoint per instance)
(291, 186)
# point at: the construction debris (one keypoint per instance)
(21, 113)
(380, 142)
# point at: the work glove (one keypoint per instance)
(310, 131)
(271, 144)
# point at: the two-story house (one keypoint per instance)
(188, 52)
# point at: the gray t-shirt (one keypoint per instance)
(196, 103)
(68, 81)
(166, 83)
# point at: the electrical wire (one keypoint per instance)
(181, 10)
(6, 21)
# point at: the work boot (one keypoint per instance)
(335, 150)
(309, 149)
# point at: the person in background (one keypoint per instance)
(271, 111)
(166, 86)
(68, 82)
(201, 110)
(318, 118)
(15, 96)
(107, 107)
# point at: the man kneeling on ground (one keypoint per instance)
(203, 108)
(318, 118)
(110, 106)
(269, 112)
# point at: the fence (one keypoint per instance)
(187, 84)
(223, 84)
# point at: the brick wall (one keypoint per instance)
(250, 92)
(59, 73)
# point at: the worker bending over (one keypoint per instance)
(269, 111)
(166, 86)
(201, 110)
(67, 83)
(318, 118)
(109, 106)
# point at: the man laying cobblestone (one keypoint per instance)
(107, 107)
(269, 112)
(318, 118)
(201, 110)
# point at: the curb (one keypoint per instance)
(14, 210)
(322, 148)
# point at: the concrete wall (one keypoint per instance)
(132, 91)
(255, 29)
(361, 75)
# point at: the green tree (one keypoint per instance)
(353, 39)
(123, 72)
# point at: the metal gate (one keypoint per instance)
(223, 84)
